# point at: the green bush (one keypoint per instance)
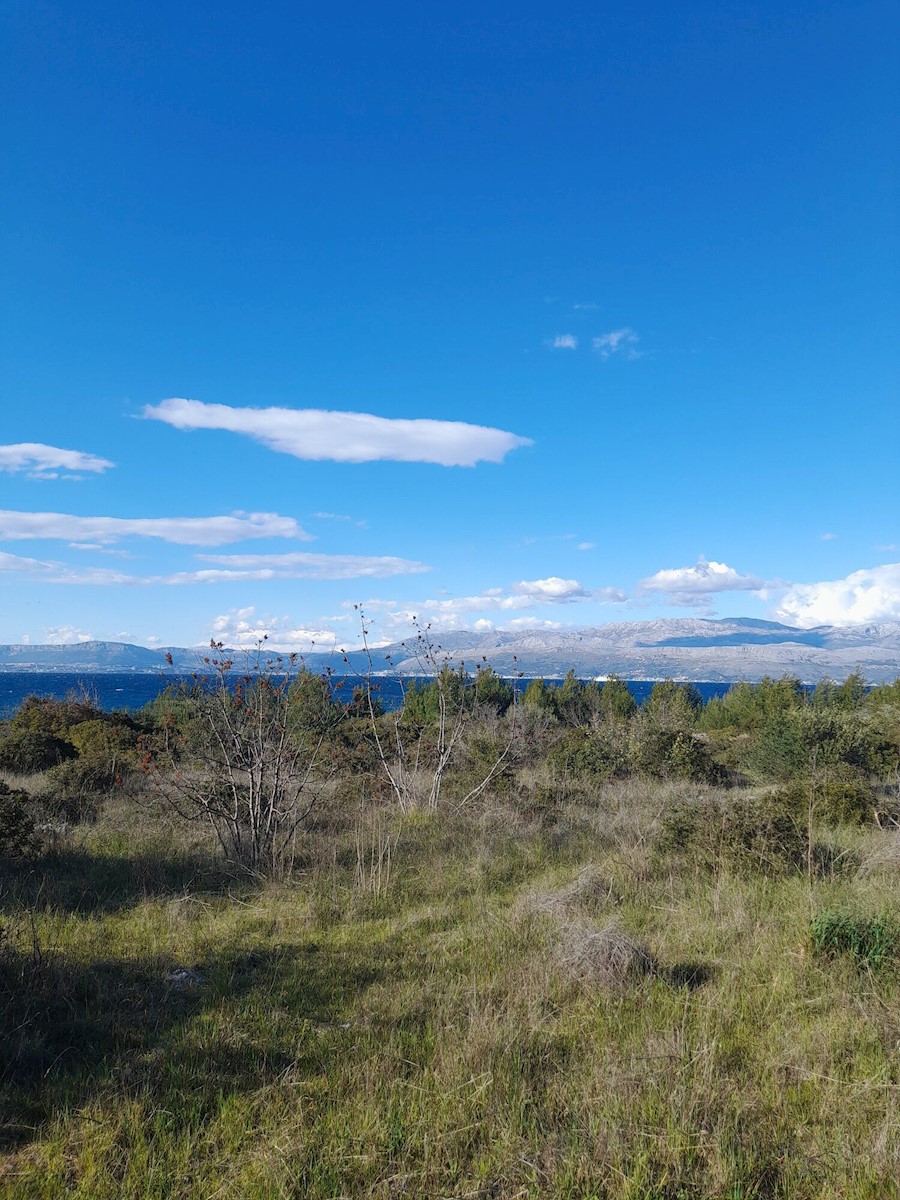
(18, 838)
(109, 747)
(746, 833)
(591, 753)
(479, 758)
(842, 798)
(665, 752)
(806, 740)
(74, 790)
(45, 714)
(27, 751)
(871, 942)
(749, 706)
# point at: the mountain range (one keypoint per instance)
(687, 648)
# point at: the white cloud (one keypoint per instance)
(45, 462)
(183, 531)
(397, 618)
(587, 545)
(552, 590)
(565, 341)
(828, 537)
(624, 340)
(691, 586)
(872, 594)
(243, 628)
(66, 635)
(525, 594)
(317, 434)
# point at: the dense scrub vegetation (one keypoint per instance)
(264, 940)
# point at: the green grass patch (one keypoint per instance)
(871, 942)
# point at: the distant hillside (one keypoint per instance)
(685, 648)
(96, 656)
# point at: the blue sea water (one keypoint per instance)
(131, 690)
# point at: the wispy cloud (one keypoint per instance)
(183, 531)
(313, 566)
(871, 594)
(239, 568)
(828, 537)
(98, 548)
(692, 586)
(565, 341)
(58, 572)
(350, 437)
(330, 516)
(534, 539)
(618, 341)
(587, 546)
(39, 461)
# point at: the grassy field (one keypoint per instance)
(523, 1000)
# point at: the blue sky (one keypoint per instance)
(612, 290)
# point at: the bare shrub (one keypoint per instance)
(439, 726)
(248, 759)
(608, 957)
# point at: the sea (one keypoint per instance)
(131, 690)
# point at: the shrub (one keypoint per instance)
(672, 703)
(74, 790)
(843, 798)
(813, 739)
(27, 751)
(871, 942)
(748, 706)
(44, 714)
(616, 702)
(108, 746)
(689, 758)
(255, 769)
(484, 754)
(595, 753)
(756, 833)
(18, 838)
(671, 752)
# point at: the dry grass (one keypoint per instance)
(608, 957)
(590, 891)
(884, 858)
(510, 1011)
